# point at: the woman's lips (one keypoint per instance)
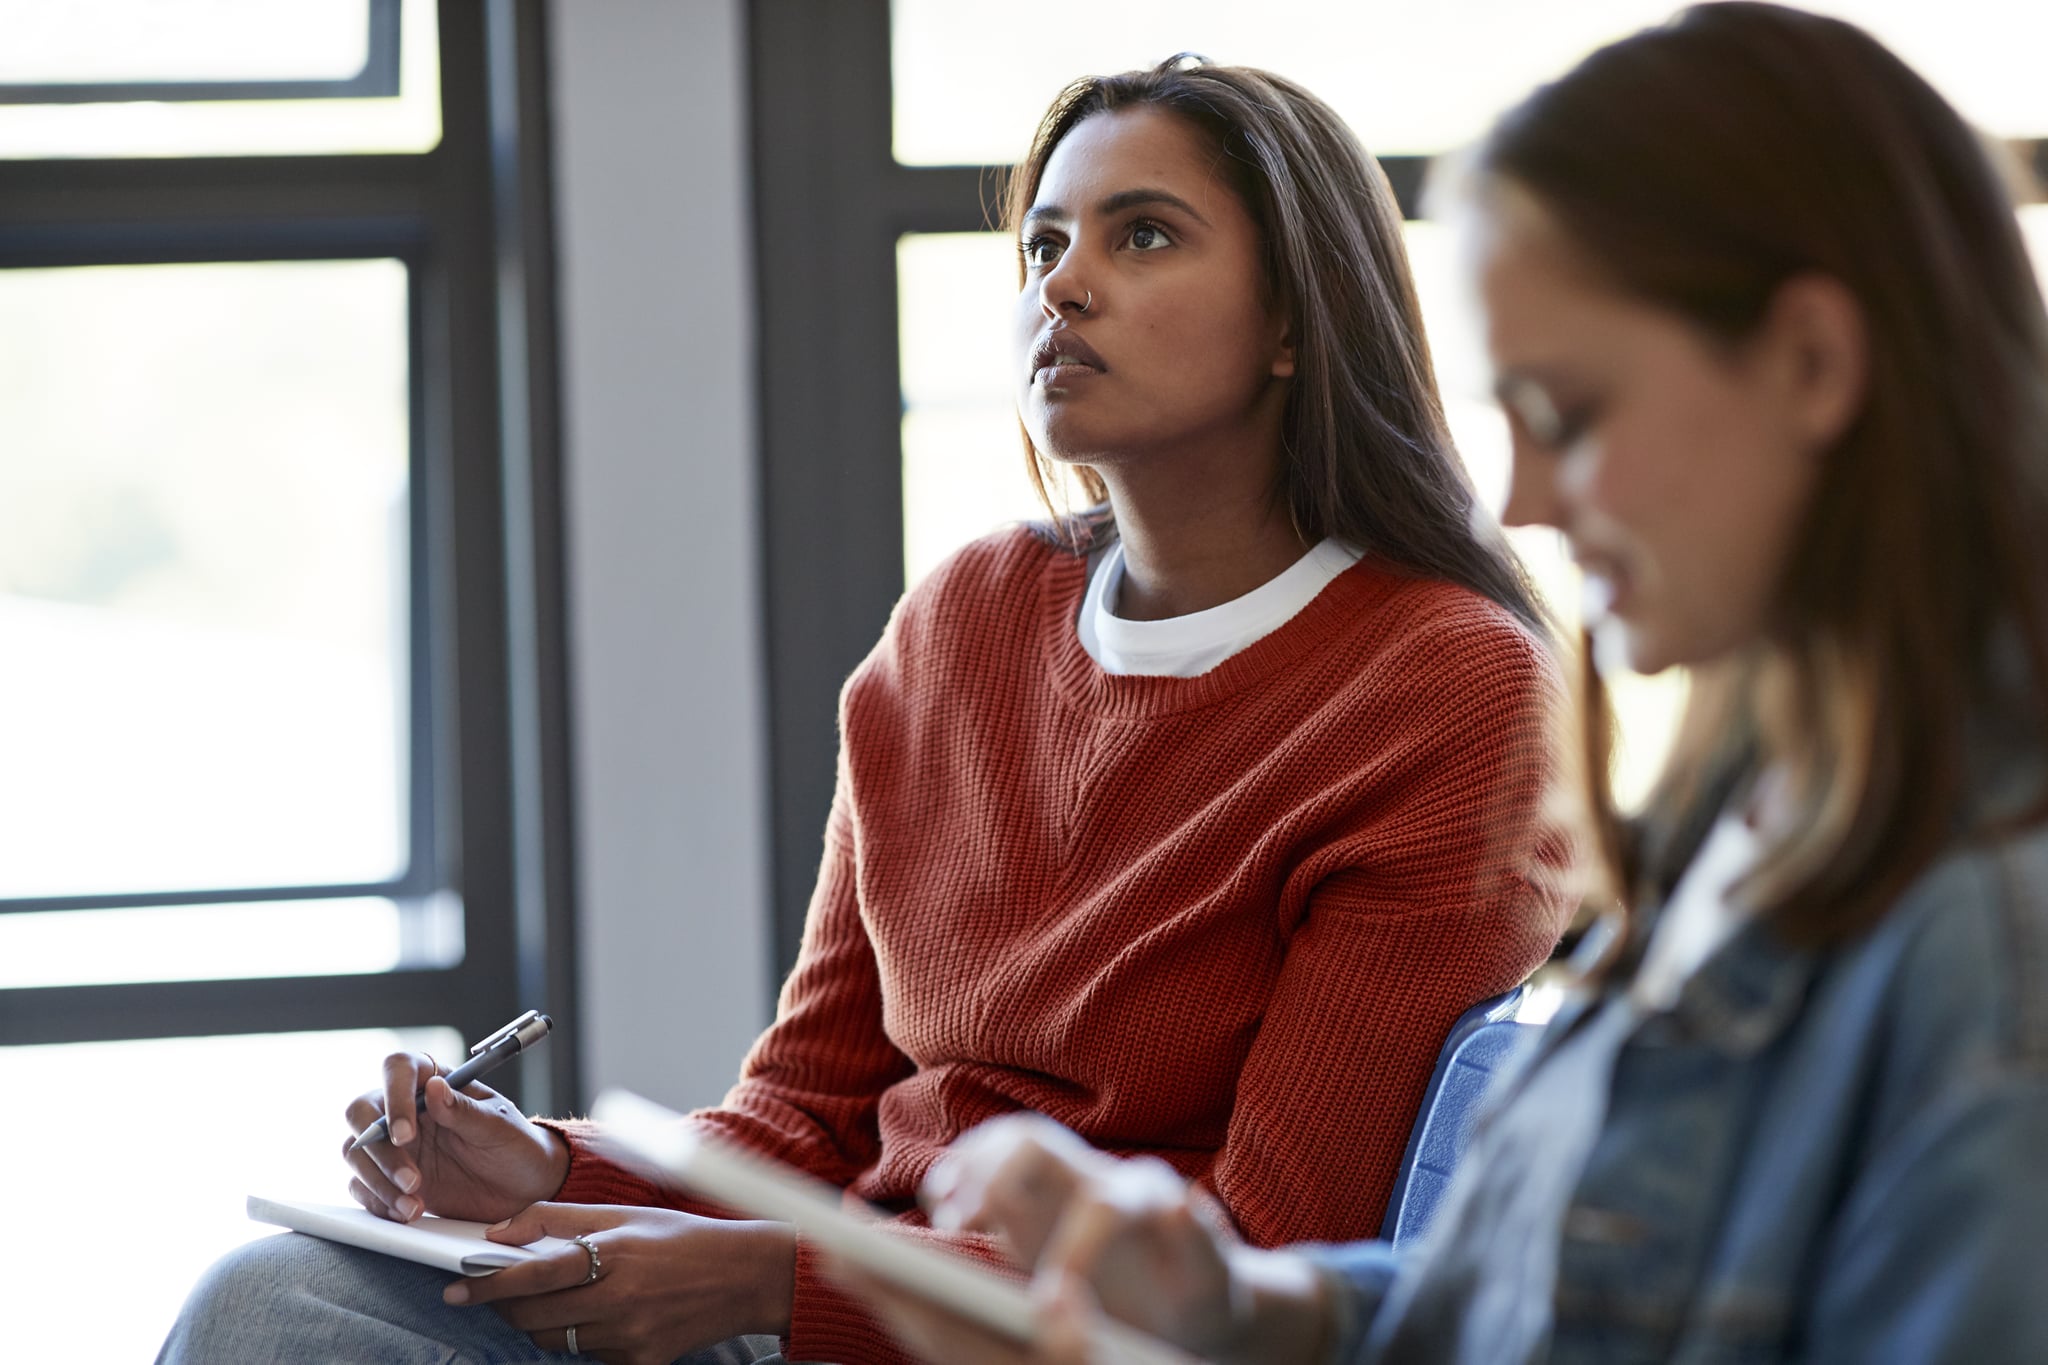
(1604, 590)
(1061, 358)
(1063, 374)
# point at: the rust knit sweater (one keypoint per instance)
(1224, 920)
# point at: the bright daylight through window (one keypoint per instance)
(210, 758)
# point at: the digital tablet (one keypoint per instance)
(761, 1188)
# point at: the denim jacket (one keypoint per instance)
(1827, 1156)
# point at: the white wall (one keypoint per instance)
(658, 414)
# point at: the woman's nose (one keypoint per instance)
(1532, 490)
(1061, 293)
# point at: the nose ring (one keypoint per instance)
(1087, 303)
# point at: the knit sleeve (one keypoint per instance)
(810, 1086)
(810, 1089)
(807, 1095)
(1447, 891)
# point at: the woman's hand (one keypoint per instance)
(1148, 1244)
(1153, 1250)
(1012, 1176)
(670, 1282)
(461, 1155)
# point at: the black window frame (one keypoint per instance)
(377, 78)
(471, 219)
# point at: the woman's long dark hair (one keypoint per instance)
(1369, 459)
(1699, 166)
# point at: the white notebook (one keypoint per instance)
(446, 1243)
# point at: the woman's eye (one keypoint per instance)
(1040, 251)
(1566, 427)
(1149, 237)
(1571, 429)
(1549, 423)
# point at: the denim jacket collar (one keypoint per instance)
(1745, 995)
(1739, 1001)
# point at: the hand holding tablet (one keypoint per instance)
(760, 1188)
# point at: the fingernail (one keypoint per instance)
(408, 1208)
(501, 1226)
(455, 1293)
(946, 1218)
(408, 1179)
(401, 1132)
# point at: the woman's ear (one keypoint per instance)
(1821, 348)
(1283, 357)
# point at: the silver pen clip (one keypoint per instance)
(516, 1026)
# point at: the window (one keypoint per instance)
(970, 83)
(881, 128)
(133, 78)
(281, 776)
(211, 573)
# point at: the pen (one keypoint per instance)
(524, 1032)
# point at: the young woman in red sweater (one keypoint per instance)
(1192, 822)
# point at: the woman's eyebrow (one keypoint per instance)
(1117, 203)
(1147, 197)
(1043, 213)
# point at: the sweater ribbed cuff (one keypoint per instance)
(826, 1325)
(594, 1178)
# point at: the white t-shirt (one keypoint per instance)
(1188, 646)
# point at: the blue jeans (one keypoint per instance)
(294, 1297)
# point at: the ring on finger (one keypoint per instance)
(569, 1337)
(596, 1266)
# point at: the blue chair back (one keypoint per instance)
(1484, 1038)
